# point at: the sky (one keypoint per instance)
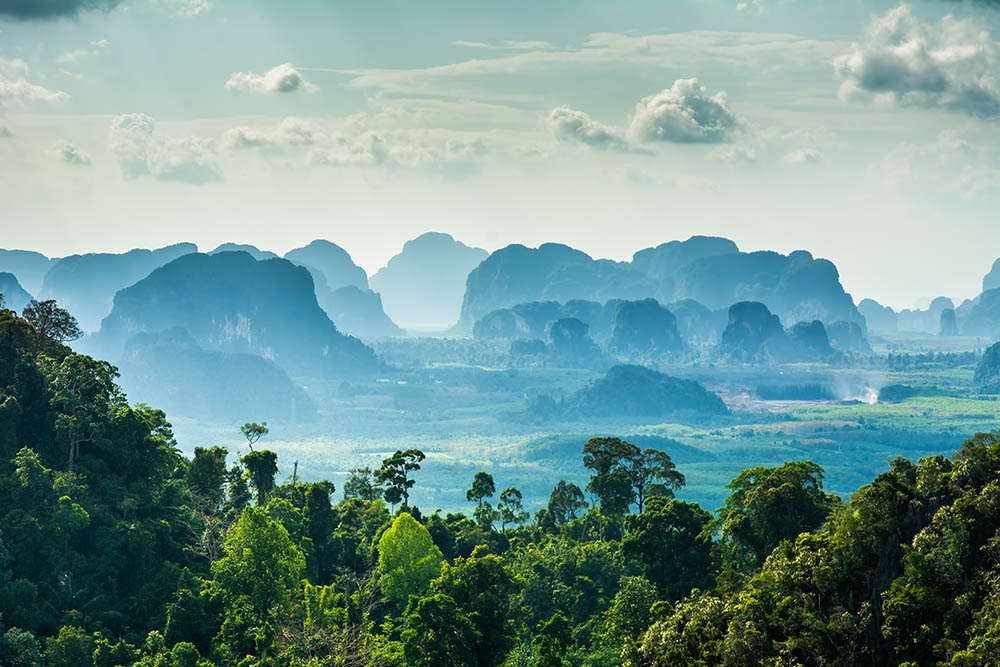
(865, 132)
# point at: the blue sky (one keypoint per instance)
(866, 132)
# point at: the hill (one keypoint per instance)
(251, 250)
(14, 296)
(422, 286)
(992, 279)
(987, 377)
(170, 370)
(233, 303)
(30, 267)
(85, 285)
(796, 287)
(359, 312)
(636, 391)
(334, 262)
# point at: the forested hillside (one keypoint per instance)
(117, 550)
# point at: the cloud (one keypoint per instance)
(684, 113)
(73, 56)
(15, 89)
(290, 132)
(50, 9)
(508, 45)
(5, 132)
(142, 151)
(963, 162)
(952, 64)
(804, 156)
(452, 157)
(576, 127)
(70, 154)
(281, 79)
(734, 154)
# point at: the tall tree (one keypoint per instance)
(362, 484)
(565, 501)
(483, 487)
(253, 432)
(511, 508)
(51, 321)
(262, 466)
(395, 475)
(625, 475)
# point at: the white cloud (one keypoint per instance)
(141, 150)
(290, 132)
(684, 113)
(70, 154)
(952, 64)
(962, 162)
(15, 89)
(281, 79)
(734, 154)
(508, 45)
(452, 157)
(804, 156)
(94, 50)
(576, 127)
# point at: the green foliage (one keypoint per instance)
(769, 505)
(361, 484)
(669, 544)
(625, 475)
(395, 475)
(262, 466)
(565, 502)
(438, 634)
(253, 432)
(408, 559)
(51, 321)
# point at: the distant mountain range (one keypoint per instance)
(14, 296)
(712, 271)
(231, 302)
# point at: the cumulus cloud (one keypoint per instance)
(281, 79)
(141, 150)
(49, 9)
(290, 132)
(684, 113)
(15, 89)
(576, 127)
(952, 64)
(804, 156)
(70, 154)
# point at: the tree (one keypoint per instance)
(408, 559)
(510, 508)
(255, 579)
(483, 588)
(671, 545)
(262, 466)
(769, 505)
(361, 484)
(206, 474)
(552, 641)
(565, 501)
(437, 634)
(395, 475)
(51, 321)
(84, 393)
(625, 475)
(483, 487)
(253, 432)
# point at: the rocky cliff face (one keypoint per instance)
(170, 370)
(85, 285)
(232, 303)
(422, 287)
